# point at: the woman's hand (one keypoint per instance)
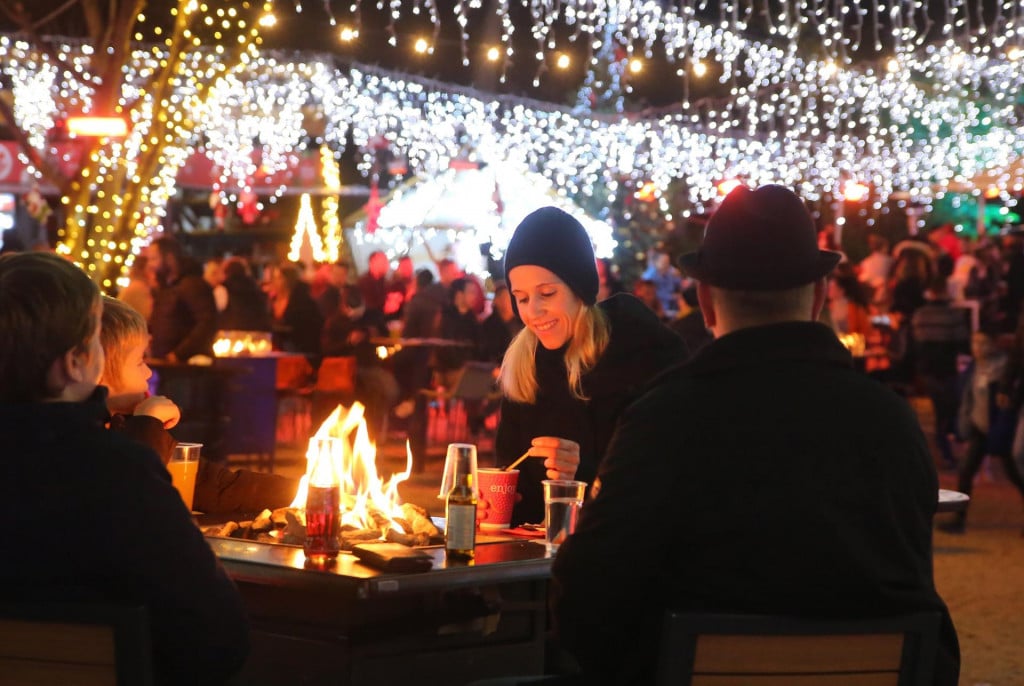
(483, 507)
(561, 456)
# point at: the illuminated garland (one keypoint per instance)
(688, 32)
(914, 124)
(332, 186)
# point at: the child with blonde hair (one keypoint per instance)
(125, 339)
(146, 418)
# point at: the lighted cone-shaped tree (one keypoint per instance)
(306, 246)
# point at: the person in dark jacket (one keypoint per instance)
(941, 333)
(184, 317)
(689, 325)
(115, 528)
(500, 327)
(246, 308)
(297, 319)
(764, 476)
(218, 489)
(458, 323)
(576, 364)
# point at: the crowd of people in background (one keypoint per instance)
(935, 316)
(907, 311)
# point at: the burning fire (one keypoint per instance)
(368, 502)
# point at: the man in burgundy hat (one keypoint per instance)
(764, 476)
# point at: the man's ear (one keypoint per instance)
(707, 305)
(76, 365)
(59, 376)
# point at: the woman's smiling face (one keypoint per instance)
(547, 306)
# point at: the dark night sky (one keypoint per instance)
(310, 29)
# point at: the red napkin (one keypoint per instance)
(526, 533)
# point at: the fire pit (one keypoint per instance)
(371, 507)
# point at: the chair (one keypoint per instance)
(759, 650)
(86, 645)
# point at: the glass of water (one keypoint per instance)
(562, 503)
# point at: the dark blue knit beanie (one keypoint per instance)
(555, 240)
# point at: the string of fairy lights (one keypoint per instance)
(692, 32)
(931, 114)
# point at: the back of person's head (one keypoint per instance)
(123, 328)
(761, 257)
(235, 268)
(48, 307)
(424, 277)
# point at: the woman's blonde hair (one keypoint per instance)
(518, 376)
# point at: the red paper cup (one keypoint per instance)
(498, 487)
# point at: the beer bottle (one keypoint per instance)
(323, 503)
(460, 509)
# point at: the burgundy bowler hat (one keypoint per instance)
(759, 240)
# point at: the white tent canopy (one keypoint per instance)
(460, 211)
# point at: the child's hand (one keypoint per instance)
(162, 408)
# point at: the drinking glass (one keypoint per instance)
(184, 466)
(451, 463)
(562, 503)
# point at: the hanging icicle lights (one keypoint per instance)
(689, 32)
(930, 112)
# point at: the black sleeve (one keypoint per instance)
(148, 431)
(607, 583)
(220, 490)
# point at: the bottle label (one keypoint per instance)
(460, 527)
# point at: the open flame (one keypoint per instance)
(368, 502)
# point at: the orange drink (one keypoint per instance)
(184, 466)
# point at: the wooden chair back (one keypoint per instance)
(86, 645)
(758, 650)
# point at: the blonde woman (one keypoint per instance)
(576, 364)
